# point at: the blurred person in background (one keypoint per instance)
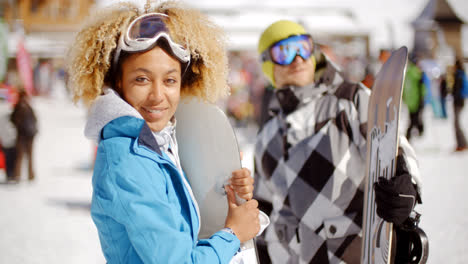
(25, 121)
(414, 92)
(8, 138)
(443, 89)
(310, 157)
(375, 64)
(142, 64)
(458, 103)
(369, 78)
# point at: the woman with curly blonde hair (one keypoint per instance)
(132, 68)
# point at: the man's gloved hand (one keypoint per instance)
(396, 198)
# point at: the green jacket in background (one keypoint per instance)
(414, 89)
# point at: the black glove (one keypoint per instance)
(395, 198)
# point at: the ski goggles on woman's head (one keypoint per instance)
(143, 34)
(285, 51)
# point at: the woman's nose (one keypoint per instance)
(157, 92)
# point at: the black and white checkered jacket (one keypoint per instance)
(310, 165)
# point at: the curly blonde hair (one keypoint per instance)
(91, 55)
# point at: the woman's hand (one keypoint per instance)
(242, 219)
(242, 183)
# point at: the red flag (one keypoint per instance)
(23, 62)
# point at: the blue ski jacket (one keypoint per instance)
(141, 207)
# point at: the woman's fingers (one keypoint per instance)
(252, 204)
(246, 196)
(242, 183)
(244, 192)
(241, 173)
(241, 177)
(231, 197)
(243, 189)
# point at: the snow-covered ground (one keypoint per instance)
(444, 174)
(48, 221)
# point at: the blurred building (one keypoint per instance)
(37, 36)
(46, 25)
(438, 29)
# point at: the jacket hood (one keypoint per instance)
(106, 108)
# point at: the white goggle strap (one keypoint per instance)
(182, 54)
(117, 51)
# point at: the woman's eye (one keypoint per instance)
(141, 79)
(171, 81)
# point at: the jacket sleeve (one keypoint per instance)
(406, 152)
(155, 228)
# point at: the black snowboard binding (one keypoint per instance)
(412, 245)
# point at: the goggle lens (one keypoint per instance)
(285, 51)
(147, 27)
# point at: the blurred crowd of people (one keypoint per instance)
(426, 85)
(18, 119)
(250, 91)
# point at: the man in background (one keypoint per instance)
(310, 156)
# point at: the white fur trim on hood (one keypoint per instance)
(105, 109)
